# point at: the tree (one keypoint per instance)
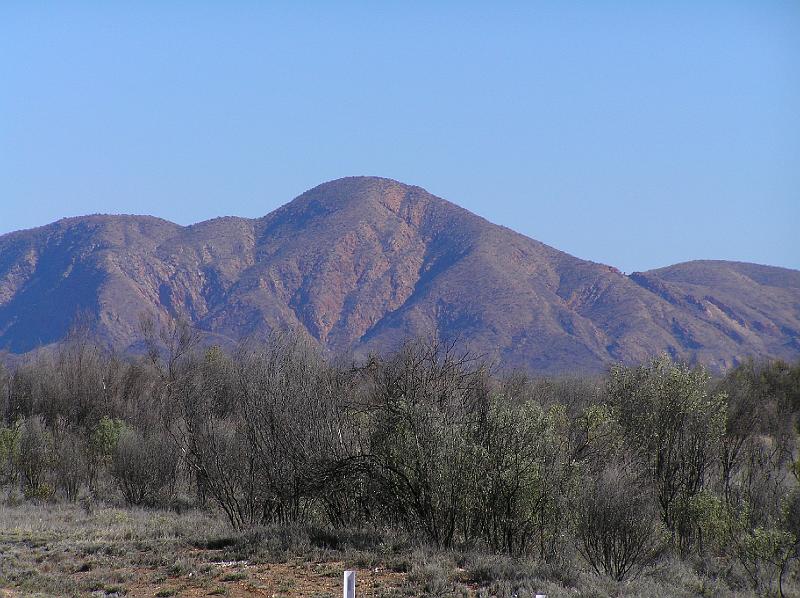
(675, 426)
(526, 476)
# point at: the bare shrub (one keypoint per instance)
(265, 433)
(428, 402)
(69, 464)
(290, 402)
(615, 524)
(225, 465)
(144, 467)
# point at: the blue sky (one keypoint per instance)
(636, 134)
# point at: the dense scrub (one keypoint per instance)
(614, 476)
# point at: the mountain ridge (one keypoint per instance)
(359, 264)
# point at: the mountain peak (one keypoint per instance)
(362, 191)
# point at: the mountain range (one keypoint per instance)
(362, 263)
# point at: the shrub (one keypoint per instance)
(103, 441)
(9, 446)
(34, 456)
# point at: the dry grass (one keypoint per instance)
(62, 550)
(59, 550)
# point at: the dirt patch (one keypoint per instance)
(313, 579)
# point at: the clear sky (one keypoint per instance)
(636, 134)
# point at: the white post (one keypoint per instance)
(349, 584)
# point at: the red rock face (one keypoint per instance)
(360, 264)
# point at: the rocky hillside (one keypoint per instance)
(362, 263)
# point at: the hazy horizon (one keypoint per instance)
(636, 136)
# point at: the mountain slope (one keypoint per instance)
(361, 263)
